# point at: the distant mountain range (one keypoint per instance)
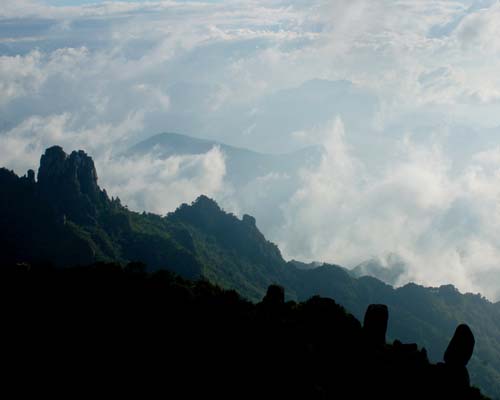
(242, 165)
(279, 119)
(258, 183)
(64, 218)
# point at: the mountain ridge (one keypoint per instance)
(117, 318)
(202, 241)
(191, 143)
(243, 164)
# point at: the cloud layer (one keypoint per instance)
(444, 226)
(404, 96)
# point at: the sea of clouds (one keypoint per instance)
(403, 95)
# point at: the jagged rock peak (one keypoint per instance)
(57, 168)
(84, 167)
(249, 220)
(206, 203)
(69, 184)
(52, 164)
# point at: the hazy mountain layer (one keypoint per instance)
(388, 269)
(242, 165)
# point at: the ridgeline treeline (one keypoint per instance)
(104, 328)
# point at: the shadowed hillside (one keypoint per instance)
(104, 328)
(65, 219)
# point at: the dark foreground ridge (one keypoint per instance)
(63, 218)
(106, 327)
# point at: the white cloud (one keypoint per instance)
(142, 183)
(445, 226)
(409, 168)
(160, 186)
(22, 146)
(19, 76)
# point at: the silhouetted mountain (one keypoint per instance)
(424, 315)
(233, 252)
(65, 219)
(107, 329)
(69, 184)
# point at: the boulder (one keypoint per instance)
(461, 346)
(275, 296)
(375, 323)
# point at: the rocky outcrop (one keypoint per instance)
(81, 167)
(249, 220)
(239, 236)
(375, 323)
(461, 347)
(52, 168)
(275, 296)
(69, 184)
(456, 357)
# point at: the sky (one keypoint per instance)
(404, 95)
